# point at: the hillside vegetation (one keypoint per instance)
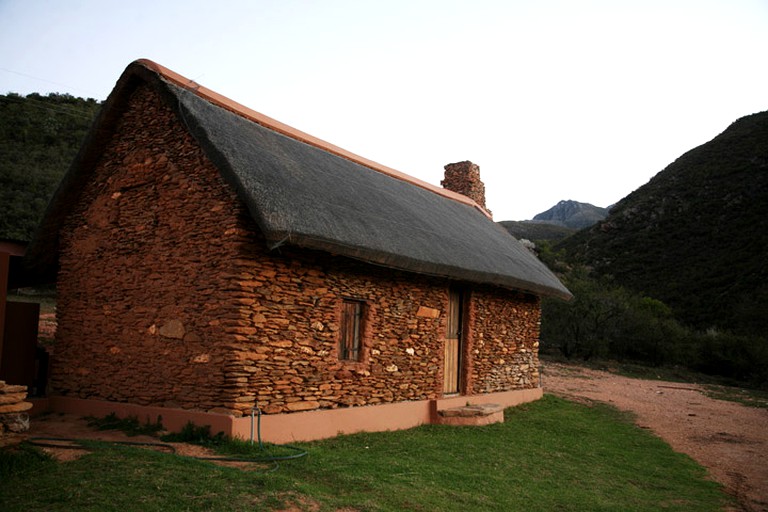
(677, 274)
(695, 236)
(557, 223)
(536, 230)
(39, 138)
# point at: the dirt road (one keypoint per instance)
(729, 439)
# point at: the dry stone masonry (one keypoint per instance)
(464, 178)
(14, 417)
(168, 296)
(505, 351)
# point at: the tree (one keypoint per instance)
(39, 137)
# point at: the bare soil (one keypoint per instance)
(729, 439)
(45, 429)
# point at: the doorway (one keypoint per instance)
(454, 342)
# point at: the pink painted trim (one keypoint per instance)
(299, 426)
(322, 424)
(173, 419)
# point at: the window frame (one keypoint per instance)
(352, 330)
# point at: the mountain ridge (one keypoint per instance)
(556, 223)
(693, 236)
(573, 214)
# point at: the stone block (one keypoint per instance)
(172, 329)
(426, 312)
(17, 407)
(12, 398)
(302, 406)
(15, 422)
(468, 411)
(471, 415)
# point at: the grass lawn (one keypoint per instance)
(550, 455)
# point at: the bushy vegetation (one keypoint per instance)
(676, 274)
(605, 320)
(694, 236)
(534, 230)
(39, 138)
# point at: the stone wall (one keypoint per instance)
(286, 351)
(141, 288)
(505, 347)
(14, 419)
(168, 296)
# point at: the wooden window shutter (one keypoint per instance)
(351, 330)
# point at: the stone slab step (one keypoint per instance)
(470, 411)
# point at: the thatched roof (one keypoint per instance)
(305, 192)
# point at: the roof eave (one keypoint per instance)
(406, 264)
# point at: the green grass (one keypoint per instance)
(749, 397)
(547, 455)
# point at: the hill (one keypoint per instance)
(694, 236)
(39, 138)
(573, 214)
(557, 223)
(536, 230)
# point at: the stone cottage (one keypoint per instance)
(211, 260)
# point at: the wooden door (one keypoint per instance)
(452, 366)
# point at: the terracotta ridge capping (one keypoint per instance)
(284, 129)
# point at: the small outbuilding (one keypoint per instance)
(210, 260)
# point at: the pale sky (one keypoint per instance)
(582, 99)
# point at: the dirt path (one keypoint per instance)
(68, 426)
(729, 439)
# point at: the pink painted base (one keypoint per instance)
(299, 426)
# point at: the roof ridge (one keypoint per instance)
(284, 129)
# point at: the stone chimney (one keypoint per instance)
(464, 178)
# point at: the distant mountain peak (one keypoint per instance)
(573, 214)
